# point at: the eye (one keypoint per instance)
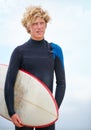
(41, 23)
(35, 24)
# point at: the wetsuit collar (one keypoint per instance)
(36, 41)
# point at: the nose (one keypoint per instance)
(39, 25)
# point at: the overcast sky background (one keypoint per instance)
(70, 28)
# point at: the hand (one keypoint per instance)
(16, 120)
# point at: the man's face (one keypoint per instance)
(37, 29)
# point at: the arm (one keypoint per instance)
(59, 73)
(10, 80)
(13, 68)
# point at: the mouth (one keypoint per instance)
(39, 32)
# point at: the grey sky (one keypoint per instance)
(70, 27)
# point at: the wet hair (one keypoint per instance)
(30, 15)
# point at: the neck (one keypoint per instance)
(37, 39)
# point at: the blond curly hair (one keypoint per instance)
(30, 15)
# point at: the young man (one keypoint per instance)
(38, 57)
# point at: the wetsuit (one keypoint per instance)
(41, 59)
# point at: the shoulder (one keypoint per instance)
(54, 45)
(56, 49)
(20, 47)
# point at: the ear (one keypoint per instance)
(45, 25)
(28, 30)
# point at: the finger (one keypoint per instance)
(18, 124)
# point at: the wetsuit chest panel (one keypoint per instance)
(39, 61)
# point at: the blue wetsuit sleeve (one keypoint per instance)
(59, 73)
(10, 80)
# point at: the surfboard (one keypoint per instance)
(33, 101)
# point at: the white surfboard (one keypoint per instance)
(34, 102)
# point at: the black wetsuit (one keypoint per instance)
(41, 59)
